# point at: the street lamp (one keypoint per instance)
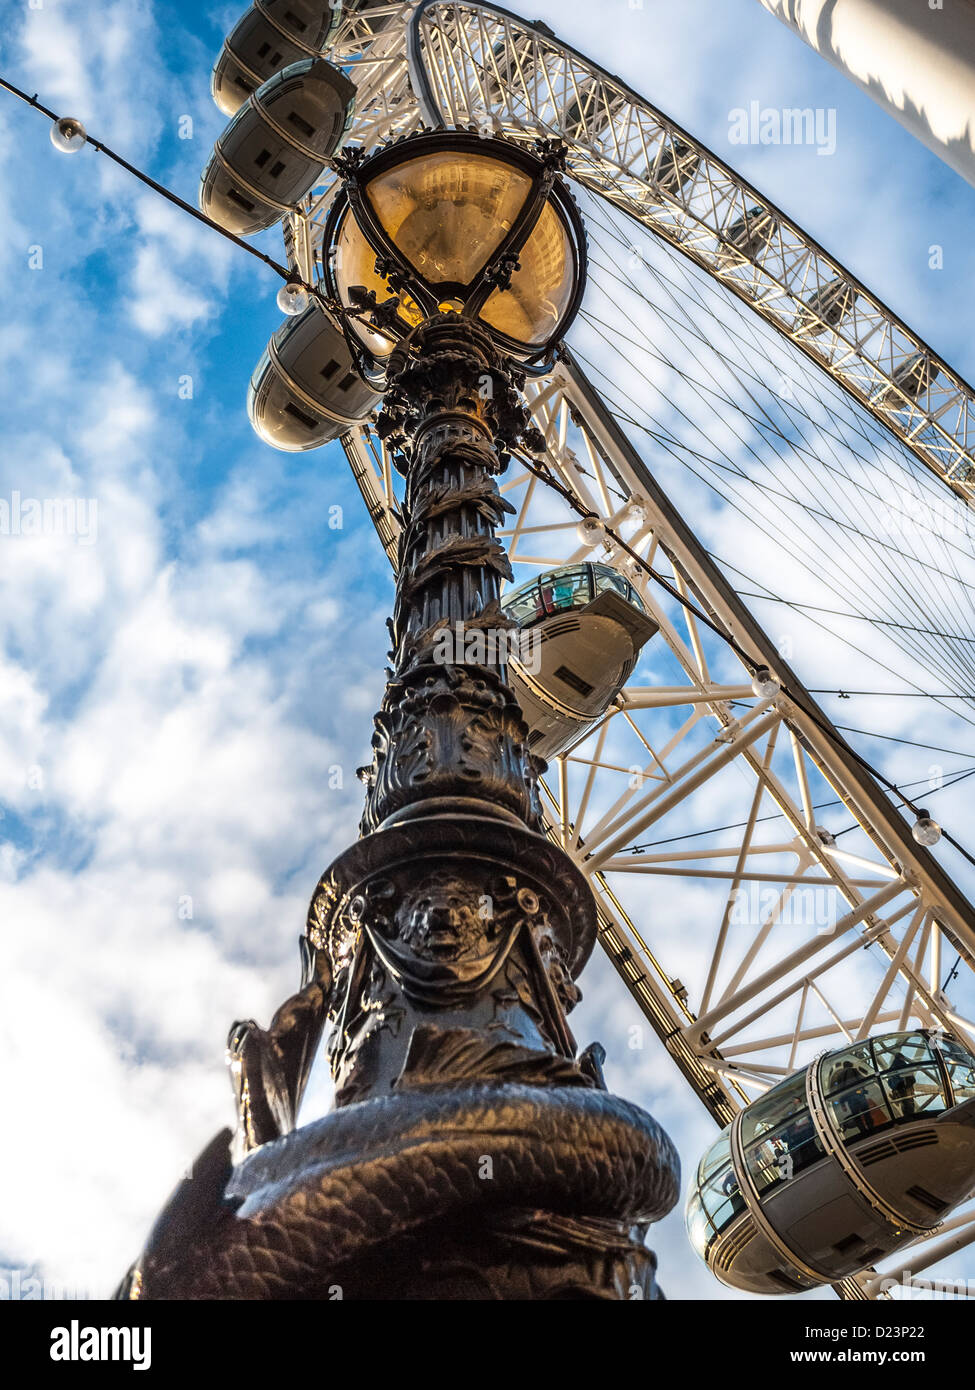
(452, 221)
(471, 1152)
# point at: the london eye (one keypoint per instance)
(742, 488)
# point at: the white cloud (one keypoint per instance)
(162, 301)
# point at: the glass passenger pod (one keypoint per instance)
(269, 36)
(275, 148)
(675, 165)
(583, 627)
(912, 379)
(306, 391)
(826, 309)
(901, 1107)
(748, 237)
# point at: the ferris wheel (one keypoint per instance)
(719, 339)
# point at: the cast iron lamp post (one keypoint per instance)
(471, 1153)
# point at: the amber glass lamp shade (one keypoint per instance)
(449, 216)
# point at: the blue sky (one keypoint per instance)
(177, 697)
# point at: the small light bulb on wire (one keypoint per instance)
(292, 299)
(68, 135)
(591, 531)
(764, 684)
(925, 830)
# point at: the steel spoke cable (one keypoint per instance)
(874, 538)
(786, 405)
(828, 441)
(748, 512)
(815, 562)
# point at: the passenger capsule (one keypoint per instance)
(675, 165)
(275, 148)
(584, 627)
(305, 390)
(594, 111)
(269, 36)
(844, 1163)
(827, 308)
(748, 237)
(912, 378)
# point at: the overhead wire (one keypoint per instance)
(289, 274)
(950, 780)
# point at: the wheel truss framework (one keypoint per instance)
(476, 65)
(768, 991)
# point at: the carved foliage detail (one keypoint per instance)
(445, 731)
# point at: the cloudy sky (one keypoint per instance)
(187, 687)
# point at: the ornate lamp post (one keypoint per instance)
(470, 1153)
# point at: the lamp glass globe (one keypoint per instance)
(68, 135)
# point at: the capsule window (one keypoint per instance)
(961, 1070)
(722, 1200)
(717, 1156)
(611, 581)
(774, 1108)
(240, 200)
(915, 1090)
(275, 57)
(348, 380)
(912, 1079)
(306, 420)
(276, 169)
(261, 159)
(784, 1152)
(901, 1050)
(298, 25)
(699, 1228)
(844, 1069)
(634, 598)
(525, 606)
(329, 370)
(565, 589)
(301, 124)
(861, 1110)
(573, 681)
